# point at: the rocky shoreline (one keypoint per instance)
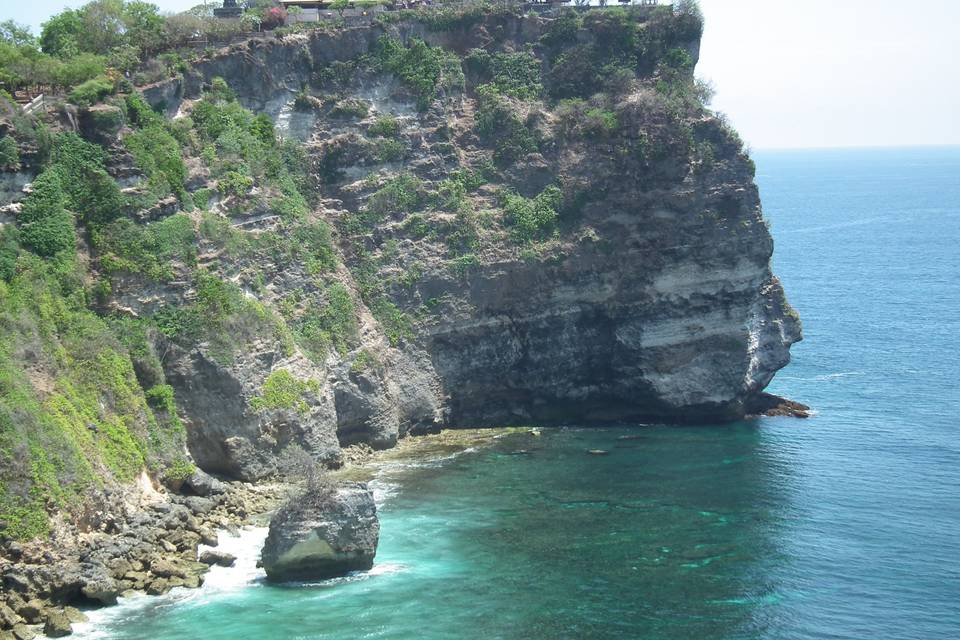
(141, 543)
(149, 541)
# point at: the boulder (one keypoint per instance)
(204, 485)
(324, 534)
(198, 505)
(8, 617)
(23, 632)
(57, 625)
(248, 462)
(32, 611)
(16, 582)
(158, 587)
(103, 589)
(137, 579)
(74, 615)
(208, 537)
(165, 568)
(219, 558)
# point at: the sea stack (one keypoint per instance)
(324, 534)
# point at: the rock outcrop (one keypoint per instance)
(323, 535)
(655, 301)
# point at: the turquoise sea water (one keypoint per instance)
(846, 525)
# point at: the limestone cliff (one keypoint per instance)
(653, 300)
(477, 218)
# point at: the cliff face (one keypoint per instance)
(652, 300)
(485, 219)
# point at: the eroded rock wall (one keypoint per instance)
(654, 300)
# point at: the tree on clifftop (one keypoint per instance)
(102, 26)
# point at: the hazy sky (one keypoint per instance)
(799, 73)
(835, 73)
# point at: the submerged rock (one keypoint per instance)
(767, 404)
(324, 535)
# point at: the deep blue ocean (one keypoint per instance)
(845, 525)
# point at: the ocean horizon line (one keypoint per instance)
(877, 147)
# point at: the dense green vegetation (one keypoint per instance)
(72, 411)
(512, 74)
(127, 247)
(158, 154)
(122, 36)
(330, 320)
(619, 47)
(83, 400)
(385, 126)
(47, 228)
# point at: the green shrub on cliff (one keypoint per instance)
(47, 228)
(328, 322)
(139, 113)
(91, 193)
(92, 91)
(393, 321)
(124, 246)
(563, 30)
(242, 149)
(350, 108)
(582, 119)
(159, 156)
(385, 126)
(222, 316)
(9, 250)
(512, 74)
(9, 154)
(179, 470)
(234, 183)
(612, 46)
(499, 124)
(281, 390)
(416, 226)
(426, 71)
(389, 150)
(313, 243)
(399, 196)
(472, 178)
(532, 218)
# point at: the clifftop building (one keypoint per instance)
(230, 9)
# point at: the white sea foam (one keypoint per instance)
(824, 376)
(245, 545)
(384, 569)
